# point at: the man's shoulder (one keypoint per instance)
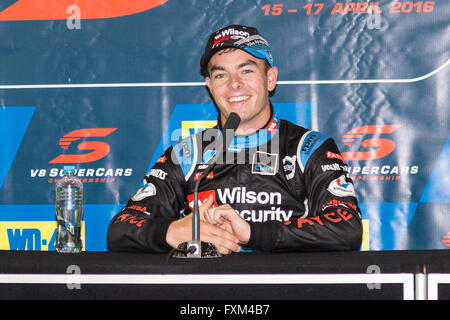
(303, 142)
(292, 128)
(298, 132)
(187, 152)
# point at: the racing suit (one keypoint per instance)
(290, 184)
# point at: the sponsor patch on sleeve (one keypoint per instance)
(186, 155)
(147, 190)
(341, 188)
(309, 143)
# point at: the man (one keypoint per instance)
(280, 187)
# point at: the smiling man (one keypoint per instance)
(240, 83)
(292, 192)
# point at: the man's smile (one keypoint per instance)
(238, 99)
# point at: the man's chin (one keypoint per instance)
(245, 132)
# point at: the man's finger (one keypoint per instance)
(205, 206)
(208, 203)
(219, 237)
(209, 216)
(226, 239)
(215, 214)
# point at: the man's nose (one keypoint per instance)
(235, 82)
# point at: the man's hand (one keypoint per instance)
(228, 219)
(181, 231)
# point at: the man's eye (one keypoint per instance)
(246, 71)
(219, 76)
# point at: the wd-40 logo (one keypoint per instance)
(29, 235)
(99, 149)
(60, 9)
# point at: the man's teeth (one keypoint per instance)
(237, 99)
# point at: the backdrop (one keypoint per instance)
(108, 85)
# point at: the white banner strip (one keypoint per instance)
(191, 84)
(355, 278)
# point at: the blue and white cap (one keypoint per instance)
(236, 36)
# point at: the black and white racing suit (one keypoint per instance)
(289, 183)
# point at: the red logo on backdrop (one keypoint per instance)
(446, 239)
(89, 9)
(382, 146)
(202, 197)
(99, 149)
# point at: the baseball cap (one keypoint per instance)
(236, 36)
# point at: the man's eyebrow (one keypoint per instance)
(242, 65)
(247, 63)
(216, 68)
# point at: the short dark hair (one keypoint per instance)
(205, 71)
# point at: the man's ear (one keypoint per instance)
(208, 83)
(272, 77)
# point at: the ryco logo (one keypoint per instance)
(383, 146)
(58, 10)
(99, 149)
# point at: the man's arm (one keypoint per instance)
(142, 224)
(150, 222)
(333, 221)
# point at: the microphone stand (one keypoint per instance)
(197, 248)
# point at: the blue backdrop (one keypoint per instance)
(109, 86)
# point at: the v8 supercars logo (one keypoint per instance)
(59, 9)
(382, 146)
(99, 149)
(96, 150)
(375, 143)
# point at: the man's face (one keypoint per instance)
(240, 83)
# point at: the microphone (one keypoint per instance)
(197, 248)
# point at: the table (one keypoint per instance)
(242, 276)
